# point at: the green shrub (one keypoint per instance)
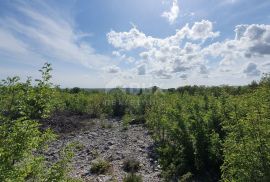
(119, 103)
(105, 124)
(59, 171)
(139, 119)
(133, 178)
(126, 121)
(22, 143)
(186, 177)
(100, 166)
(131, 165)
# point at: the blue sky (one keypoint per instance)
(108, 43)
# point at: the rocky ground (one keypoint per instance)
(106, 139)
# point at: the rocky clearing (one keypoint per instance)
(105, 139)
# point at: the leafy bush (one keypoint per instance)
(213, 133)
(100, 166)
(131, 165)
(59, 171)
(119, 102)
(139, 119)
(126, 120)
(22, 143)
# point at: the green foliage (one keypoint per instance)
(59, 170)
(22, 143)
(100, 166)
(213, 136)
(186, 177)
(25, 100)
(119, 102)
(19, 139)
(247, 145)
(131, 165)
(200, 133)
(131, 177)
(126, 121)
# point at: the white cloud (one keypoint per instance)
(186, 55)
(172, 15)
(113, 69)
(134, 38)
(10, 44)
(203, 70)
(45, 33)
(162, 74)
(251, 41)
(202, 30)
(183, 76)
(168, 56)
(141, 69)
(251, 70)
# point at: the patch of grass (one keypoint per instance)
(100, 166)
(131, 165)
(78, 145)
(95, 153)
(133, 178)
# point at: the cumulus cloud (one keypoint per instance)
(134, 38)
(183, 76)
(252, 70)
(202, 30)
(113, 69)
(172, 15)
(141, 69)
(187, 54)
(168, 56)
(162, 74)
(203, 69)
(257, 38)
(251, 41)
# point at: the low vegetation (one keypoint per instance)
(100, 166)
(131, 177)
(131, 165)
(22, 143)
(201, 133)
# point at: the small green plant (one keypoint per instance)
(78, 145)
(22, 142)
(186, 177)
(105, 124)
(95, 153)
(59, 171)
(131, 165)
(126, 121)
(100, 166)
(133, 178)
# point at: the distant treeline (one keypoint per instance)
(196, 89)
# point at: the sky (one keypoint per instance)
(142, 43)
